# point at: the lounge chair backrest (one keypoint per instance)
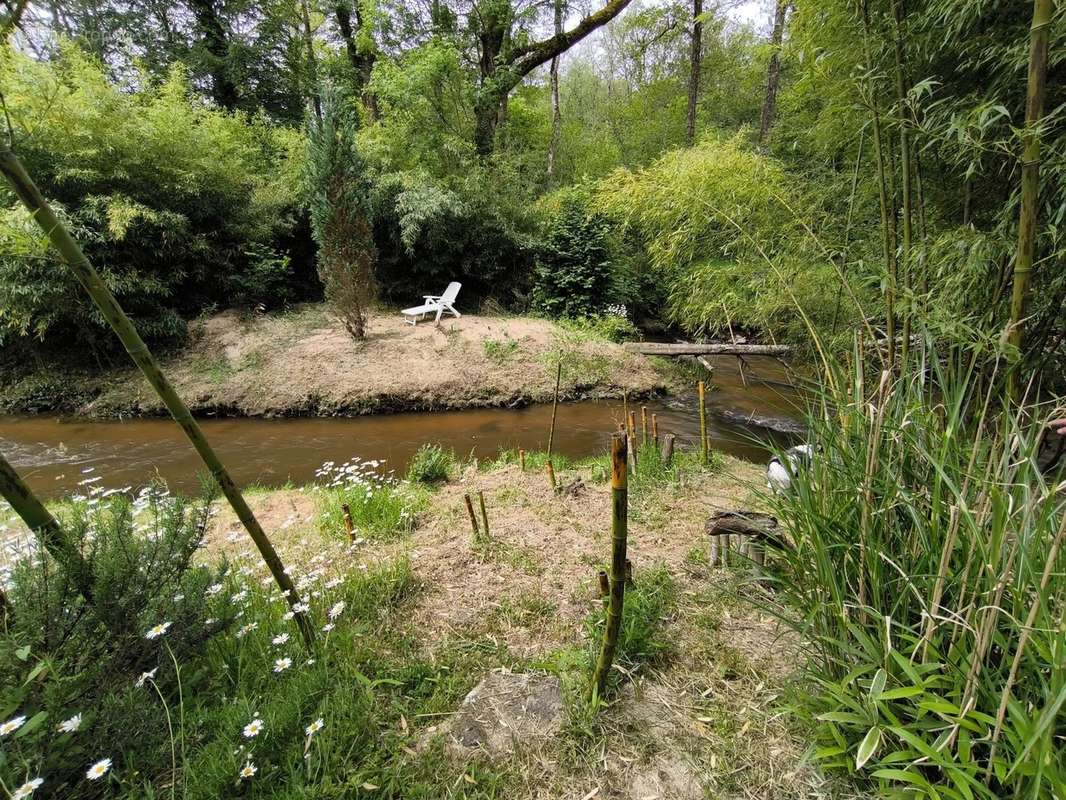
(451, 292)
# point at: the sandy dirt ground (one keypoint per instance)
(304, 363)
(707, 723)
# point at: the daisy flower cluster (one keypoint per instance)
(362, 484)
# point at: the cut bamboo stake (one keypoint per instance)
(348, 523)
(605, 584)
(703, 422)
(631, 444)
(45, 527)
(551, 474)
(655, 428)
(551, 430)
(643, 425)
(619, 525)
(473, 519)
(522, 459)
(666, 453)
(629, 572)
(715, 545)
(111, 311)
(484, 515)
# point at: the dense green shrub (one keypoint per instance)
(63, 659)
(573, 273)
(473, 227)
(179, 206)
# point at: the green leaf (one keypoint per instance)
(901, 693)
(877, 685)
(868, 746)
(32, 724)
(23, 653)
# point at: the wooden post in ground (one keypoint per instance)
(605, 584)
(631, 445)
(348, 527)
(619, 529)
(643, 425)
(655, 429)
(473, 519)
(629, 572)
(551, 430)
(551, 474)
(522, 459)
(484, 515)
(666, 453)
(703, 422)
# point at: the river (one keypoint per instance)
(51, 453)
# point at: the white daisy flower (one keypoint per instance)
(287, 616)
(309, 662)
(70, 725)
(251, 626)
(146, 676)
(314, 727)
(12, 725)
(253, 728)
(26, 789)
(281, 638)
(337, 610)
(282, 664)
(247, 771)
(99, 769)
(328, 627)
(213, 589)
(301, 608)
(157, 631)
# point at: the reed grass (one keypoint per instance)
(927, 579)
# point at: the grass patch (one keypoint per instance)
(500, 351)
(381, 508)
(432, 464)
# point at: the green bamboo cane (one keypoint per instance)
(906, 173)
(1034, 110)
(619, 528)
(885, 190)
(88, 277)
(45, 527)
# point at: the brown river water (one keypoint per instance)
(51, 453)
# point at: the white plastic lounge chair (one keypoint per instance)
(433, 303)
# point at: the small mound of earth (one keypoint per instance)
(503, 711)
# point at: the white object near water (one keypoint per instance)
(431, 303)
(780, 471)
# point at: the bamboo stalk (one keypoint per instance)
(631, 443)
(112, 312)
(605, 584)
(906, 173)
(1027, 215)
(551, 474)
(643, 425)
(522, 459)
(484, 515)
(703, 422)
(886, 194)
(551, 430)
(45, 527)
(616, 603)
(473, 519)
(346, 509)
(655, 428)
(629, 572)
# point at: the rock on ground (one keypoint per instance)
(504, 711)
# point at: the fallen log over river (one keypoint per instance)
(691, 349)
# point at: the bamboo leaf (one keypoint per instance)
(868, 746)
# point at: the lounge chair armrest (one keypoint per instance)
(431, 297)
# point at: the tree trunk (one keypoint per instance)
(312, 62)
(216, 43)
(557, 118)
(361, 60)
(695, 59)
(502, 67)
(1034, 111)
(773, 71)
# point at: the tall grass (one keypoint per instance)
(927, 579)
